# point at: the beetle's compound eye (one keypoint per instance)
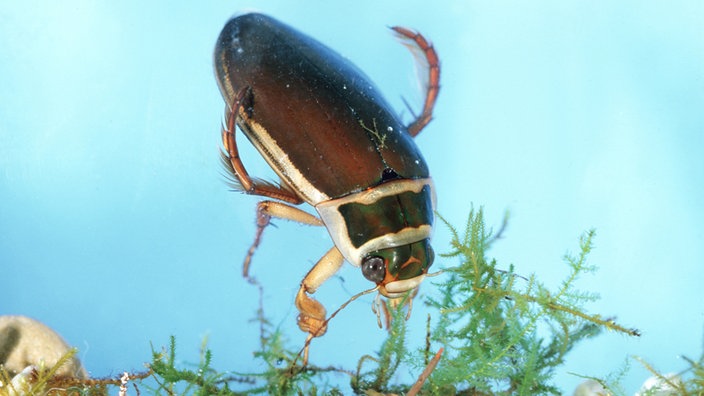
(373, 268)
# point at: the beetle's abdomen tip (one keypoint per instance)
(245, 20)
(241, 31)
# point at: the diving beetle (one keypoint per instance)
(337, 145)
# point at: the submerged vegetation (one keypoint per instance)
(490, 331)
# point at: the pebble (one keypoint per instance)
(26, 342)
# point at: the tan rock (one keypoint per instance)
(25, 342)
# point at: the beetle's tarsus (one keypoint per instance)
(311, 318)
(263, 220)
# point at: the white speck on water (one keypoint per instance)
(417, 162)
(240, 50)
(389, 129)
(344, 86)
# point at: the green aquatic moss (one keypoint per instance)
(500, 332)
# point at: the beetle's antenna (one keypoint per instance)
(304, 350)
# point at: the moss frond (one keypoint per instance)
(506, 333)
(388, 359)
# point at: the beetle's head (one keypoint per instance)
(399, 269)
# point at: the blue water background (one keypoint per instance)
(117, 229)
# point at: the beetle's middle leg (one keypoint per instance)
(265, 211)
(242, 181)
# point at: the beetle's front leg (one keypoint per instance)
(311, 318)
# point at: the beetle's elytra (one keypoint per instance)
(336, 144)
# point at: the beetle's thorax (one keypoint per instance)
(395, 213)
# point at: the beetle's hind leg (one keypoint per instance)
(265, 211)
(428, 58)
(233, 163)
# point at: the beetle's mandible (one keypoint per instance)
(337, 145)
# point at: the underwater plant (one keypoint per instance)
(489, 331)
